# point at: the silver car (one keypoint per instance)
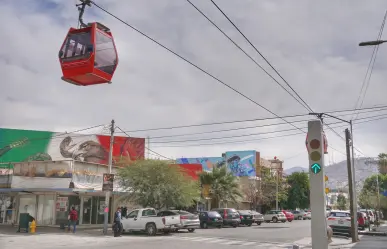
(257, 217)
(188, 220)
(275, 216)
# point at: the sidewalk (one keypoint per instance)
(368, 242)
(336, 242)
(379, 231)
(81, 229)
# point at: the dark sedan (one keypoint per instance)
(210, 219)
(246, 217)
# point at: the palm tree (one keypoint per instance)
(222, 185)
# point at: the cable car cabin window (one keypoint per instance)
(105, 54)
(77, 46)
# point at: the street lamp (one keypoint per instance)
(371, 43)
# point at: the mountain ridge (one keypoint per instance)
(338, 175)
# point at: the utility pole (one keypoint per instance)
(276, 191)
(378, 193)
(315, 148)
(107, 195)
(352, 203)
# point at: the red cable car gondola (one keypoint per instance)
(88, 55)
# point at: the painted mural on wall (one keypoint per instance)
(207, 162)
(26, 145)
(241, 163)
(191, 170)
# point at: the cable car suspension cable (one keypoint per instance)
(81, 9)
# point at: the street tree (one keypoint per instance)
(268, 190)
(223, 185)
(298, 191)
(158, 184)
(251, 192)
(369, 194)
(341, 202)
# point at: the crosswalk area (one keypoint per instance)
(232, 242)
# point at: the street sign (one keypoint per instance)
(316, 168)
(327, 190)
(107, 184)
(326, 178)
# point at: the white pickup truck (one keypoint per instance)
(146, 220)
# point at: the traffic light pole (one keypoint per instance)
(317, 184)
(351, 174)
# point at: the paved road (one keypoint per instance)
(281, 235)
(268, 236)
(267, 232)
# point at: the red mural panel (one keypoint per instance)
(125, 149)
(191, 170)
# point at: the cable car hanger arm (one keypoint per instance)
(81, 9)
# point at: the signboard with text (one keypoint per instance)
(107, 184)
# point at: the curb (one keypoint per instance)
(374, 233)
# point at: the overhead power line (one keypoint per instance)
(154, 152)
(250, 127)
(368, 75)
(263, 57)
(259, 139)
(251, 120)
(251, 58)
(194, 65)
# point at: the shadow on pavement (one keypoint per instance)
(270, 227)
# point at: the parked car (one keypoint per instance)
(229, 215)
(274, 216)
(257, 218)
(187, 220)
(327, 212)
(146, 220)
(298, 214)
(340, 222)
(307, 216)
(246, 217)
(289, 215)
(210, 219)
(362, 220)
(370, 215)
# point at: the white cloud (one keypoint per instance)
(312, 44)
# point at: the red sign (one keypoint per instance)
(192, 170)
(124, 148)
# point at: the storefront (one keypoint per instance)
(52, 208)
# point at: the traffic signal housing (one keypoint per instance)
(316, 152)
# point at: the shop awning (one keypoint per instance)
(9, 190)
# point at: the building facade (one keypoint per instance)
(47, 190)
(45, 173)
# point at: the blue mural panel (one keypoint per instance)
(207, 162)
(241, 163)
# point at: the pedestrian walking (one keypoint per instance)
(117, 227)
(73, 218)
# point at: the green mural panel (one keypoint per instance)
(22, 145)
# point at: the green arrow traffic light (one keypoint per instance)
(316, 168)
